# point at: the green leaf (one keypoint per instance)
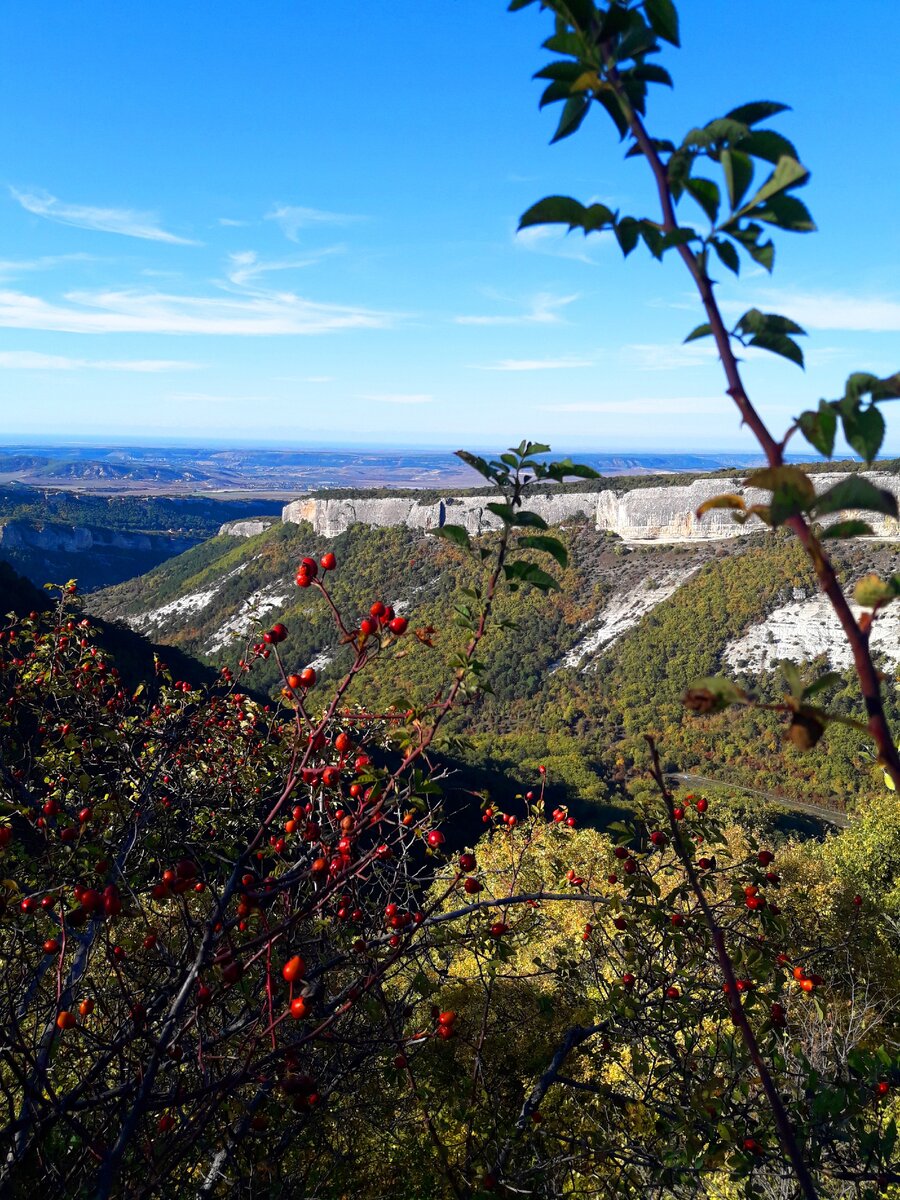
(728, 256)
(701, 331)
(549, 545)
(786, 212)
(855, 491)
(627, 234)
(792, 491)
(847, 529)
(705, 192)
(864, 429)
(871, 590)
(527, 519)
(563, 210)
(529, 572)
(574, 111)
(768, 145)
(738, 170)
(610, 102)
(756, 111)
(663, 18)
(580, 12)
(787, 174)
(651, 73)
(754, 321)
(819, 685)
(477, 464)
(791, 674)
(503, 511)
(819, 428)
(778, 343)
(566, 469)
(453, 533)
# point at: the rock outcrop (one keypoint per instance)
(243, 529)
(643, 514)
(75, 539)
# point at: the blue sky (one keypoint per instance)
(297, 222)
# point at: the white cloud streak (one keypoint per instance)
(398, 397)
(245, 266)
(123, 221)
(134, 311)
(293, 217)
(674, 406)
(830, 310)
(537, 364)
(29, 360)
(543, 310)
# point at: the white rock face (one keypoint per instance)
(622, 612)
(256, 605)
(73, 539)
(804, 629)
(244, 529)
(332, 517)
(652, 514)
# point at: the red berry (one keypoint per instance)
(308, 677)
(398, 625)
(328, 561)
(435, 838)
(702, 804)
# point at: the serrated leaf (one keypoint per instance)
(786, 212)
(756, 111)
(778, 343)
(563, 210)
(855, 491)
(574, 111)
(610, 102)
(564, 468)
(771, 479)
(549, 545)
(477, 463)
(663, 18)
(651, 73)
(453, 533)
(768, 145)
(847, 529)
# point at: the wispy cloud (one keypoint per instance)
(674, 406)
(233, 223)
(10, 268)
(668, 356)
(294, 217)
(830, 310)
(135, 311)
(398, 397)
(125, 221)
(537, 364)
(211, 398)
(543, 310)
(29, 360)
(555, 240)
(245, 266)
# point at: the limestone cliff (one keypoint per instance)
(658, 514)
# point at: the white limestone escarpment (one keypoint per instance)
(644, 514)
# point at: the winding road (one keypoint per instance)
(832, 815)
